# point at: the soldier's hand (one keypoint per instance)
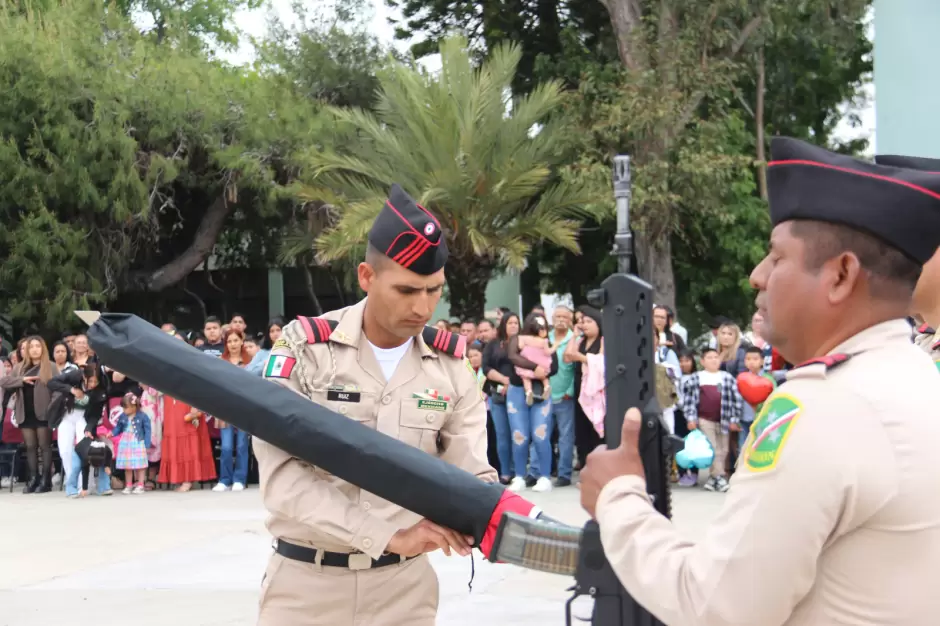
(604, 465)
(426, 536)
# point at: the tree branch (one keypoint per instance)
(696, 99)
(625, 16)
(206, 235)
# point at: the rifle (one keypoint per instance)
(626, 302)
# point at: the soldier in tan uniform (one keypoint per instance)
(832, 517)
(343, 556)
(926, 305)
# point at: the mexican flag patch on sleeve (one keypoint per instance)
(279, 366)
(770, 432)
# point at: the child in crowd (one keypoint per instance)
(132, 449)
(90, 453)
(537, 350)
(711, 402)
(687, 367)
(754, 361)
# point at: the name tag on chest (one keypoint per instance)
(343, 396)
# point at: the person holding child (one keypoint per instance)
(535, 348)
(132, 449)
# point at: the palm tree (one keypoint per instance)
(482, 163)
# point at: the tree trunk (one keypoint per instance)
(530, 284)
(654, 260)
(759, 122)
(467, 279)
(311, 292)
(339, 287)
(179, 268)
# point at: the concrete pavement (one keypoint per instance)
(196, 559)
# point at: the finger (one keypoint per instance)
(454, 540)
(597, 450)
(431, 535)
(630, 433)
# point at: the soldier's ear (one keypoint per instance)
(366, 274)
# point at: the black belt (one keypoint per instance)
(354, 561)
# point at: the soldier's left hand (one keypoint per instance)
(604, 465)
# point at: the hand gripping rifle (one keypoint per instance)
(626, 303)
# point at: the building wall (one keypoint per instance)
(907, 91)
(503, 290)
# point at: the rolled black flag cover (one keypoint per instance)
(392, 470)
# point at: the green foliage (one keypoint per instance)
(115, 150)
(449, 141)
(329, 56)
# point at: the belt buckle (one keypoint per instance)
(359, 561)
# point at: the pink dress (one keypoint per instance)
(536, 355)
(592, 399)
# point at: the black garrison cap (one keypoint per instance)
(908, 162)
(408, 234)
(899, 206)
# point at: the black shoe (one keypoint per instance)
(45, 487)
(530, 481)
(32, 485)
(562, 482)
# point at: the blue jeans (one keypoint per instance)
(75, 475)
(232, 436)
(563, 414)
(530, 424)
(742, 436)
(503, 439)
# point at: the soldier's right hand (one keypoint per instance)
(426, 536)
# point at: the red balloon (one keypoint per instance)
(754, 388)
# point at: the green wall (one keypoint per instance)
(503, 290)
(907, 81)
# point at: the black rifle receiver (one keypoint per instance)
(626, 303)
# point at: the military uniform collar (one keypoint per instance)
(349, 330)
(875, 337)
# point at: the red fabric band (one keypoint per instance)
(509, 503)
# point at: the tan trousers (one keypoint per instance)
(719, 441)
(294, 593)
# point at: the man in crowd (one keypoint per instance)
(832, 505)
(563, 393)
(486, 332)
(213, 332)
(469, 330)
(344, 556)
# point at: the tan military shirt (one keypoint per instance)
(309, 506)
(833, 516)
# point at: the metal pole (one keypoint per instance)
(623, 240)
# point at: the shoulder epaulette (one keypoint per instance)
(830, 361)
(445, 341)
(924, 329)
(317, 329)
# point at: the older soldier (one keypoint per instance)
(831, 517)
(926, 303)
(344, 556)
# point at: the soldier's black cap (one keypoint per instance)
(899, 206)
(408, 234)
(912, 163)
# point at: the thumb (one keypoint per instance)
(630, 433)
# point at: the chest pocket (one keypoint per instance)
(421, 426)
(362, 411)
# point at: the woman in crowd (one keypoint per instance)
(84, 407)
(258, 361)
(589, 341)
(30, 381)
(530, 415)
(82, 353)
(62, 357)
(731, 350)
(187, 450)
(232, 438)
(497, 368)
(662, 321)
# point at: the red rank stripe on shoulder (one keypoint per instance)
(830, 361)
(924, 328)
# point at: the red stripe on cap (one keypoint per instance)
(415, 255)
(845, 170)
(408, 224)
(407, 250)
(324, 328)
(308, 329)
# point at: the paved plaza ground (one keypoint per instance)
(196, 559)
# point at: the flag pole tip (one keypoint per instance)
(89, 317)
